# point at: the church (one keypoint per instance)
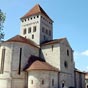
(33, 59)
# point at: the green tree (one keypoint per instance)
(2, 20)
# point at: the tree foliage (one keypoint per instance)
(2, 20)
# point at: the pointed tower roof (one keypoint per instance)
(37, 9)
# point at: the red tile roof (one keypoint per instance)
(53, 41)
(39, 65)
(37, 9)
(19, 38)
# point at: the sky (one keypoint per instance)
(70, 20)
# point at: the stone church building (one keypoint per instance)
(33, 59)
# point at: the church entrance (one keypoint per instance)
(63, 84)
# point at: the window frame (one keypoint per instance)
(34, 28)
(32, 36)
(67, 52)
(24, 31)
(29, 30)
(2, 60)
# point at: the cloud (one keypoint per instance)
(80, 54)
(76, 53)
(86, 69)
(85, 53)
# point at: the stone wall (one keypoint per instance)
(31, 22)
(5, 76)
(42, 79)
(46, 26)
(60, 55)
(51, 54)
(10, 76)
(66, 64)
(79, 79)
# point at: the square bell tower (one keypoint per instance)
(36, 25)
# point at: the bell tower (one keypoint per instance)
(36, 25)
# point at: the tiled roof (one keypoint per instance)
(37, 9)
(31, 59)
(53, 41)
(19, 38)
(36, 63)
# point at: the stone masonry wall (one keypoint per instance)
(35, 78)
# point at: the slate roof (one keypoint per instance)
(21, 39)
(37, 9)
(36, 63)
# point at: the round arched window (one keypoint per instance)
(65, 64)
(67, 52)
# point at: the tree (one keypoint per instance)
(2, 20)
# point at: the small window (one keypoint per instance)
(25, 19)
(49, 33)
(52, 82)
(42, 82)
(31, 18)
(37, 16)
(34, 17)
(31, 81)
(29, 30)
(32, 36)
(28, 18)
(52, 47)
(2, 61)
(34, 29)
(62, 85)
(43, 29)
(65, 64)
(24, 31)
(20, 57)
(46, 31)
(44, 37)
(67, 52)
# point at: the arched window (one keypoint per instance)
(31, 81)
(37, 16)
(29, 30)
(20, 57)
(67, 52)
(42, 82)
(34, 29)
(24, 31)
(32, 36)
(65, 64)
(52, 47)
(52, 82)
(49, 33)
(2, 61)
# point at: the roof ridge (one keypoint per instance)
(40, 65)
(19, 38)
